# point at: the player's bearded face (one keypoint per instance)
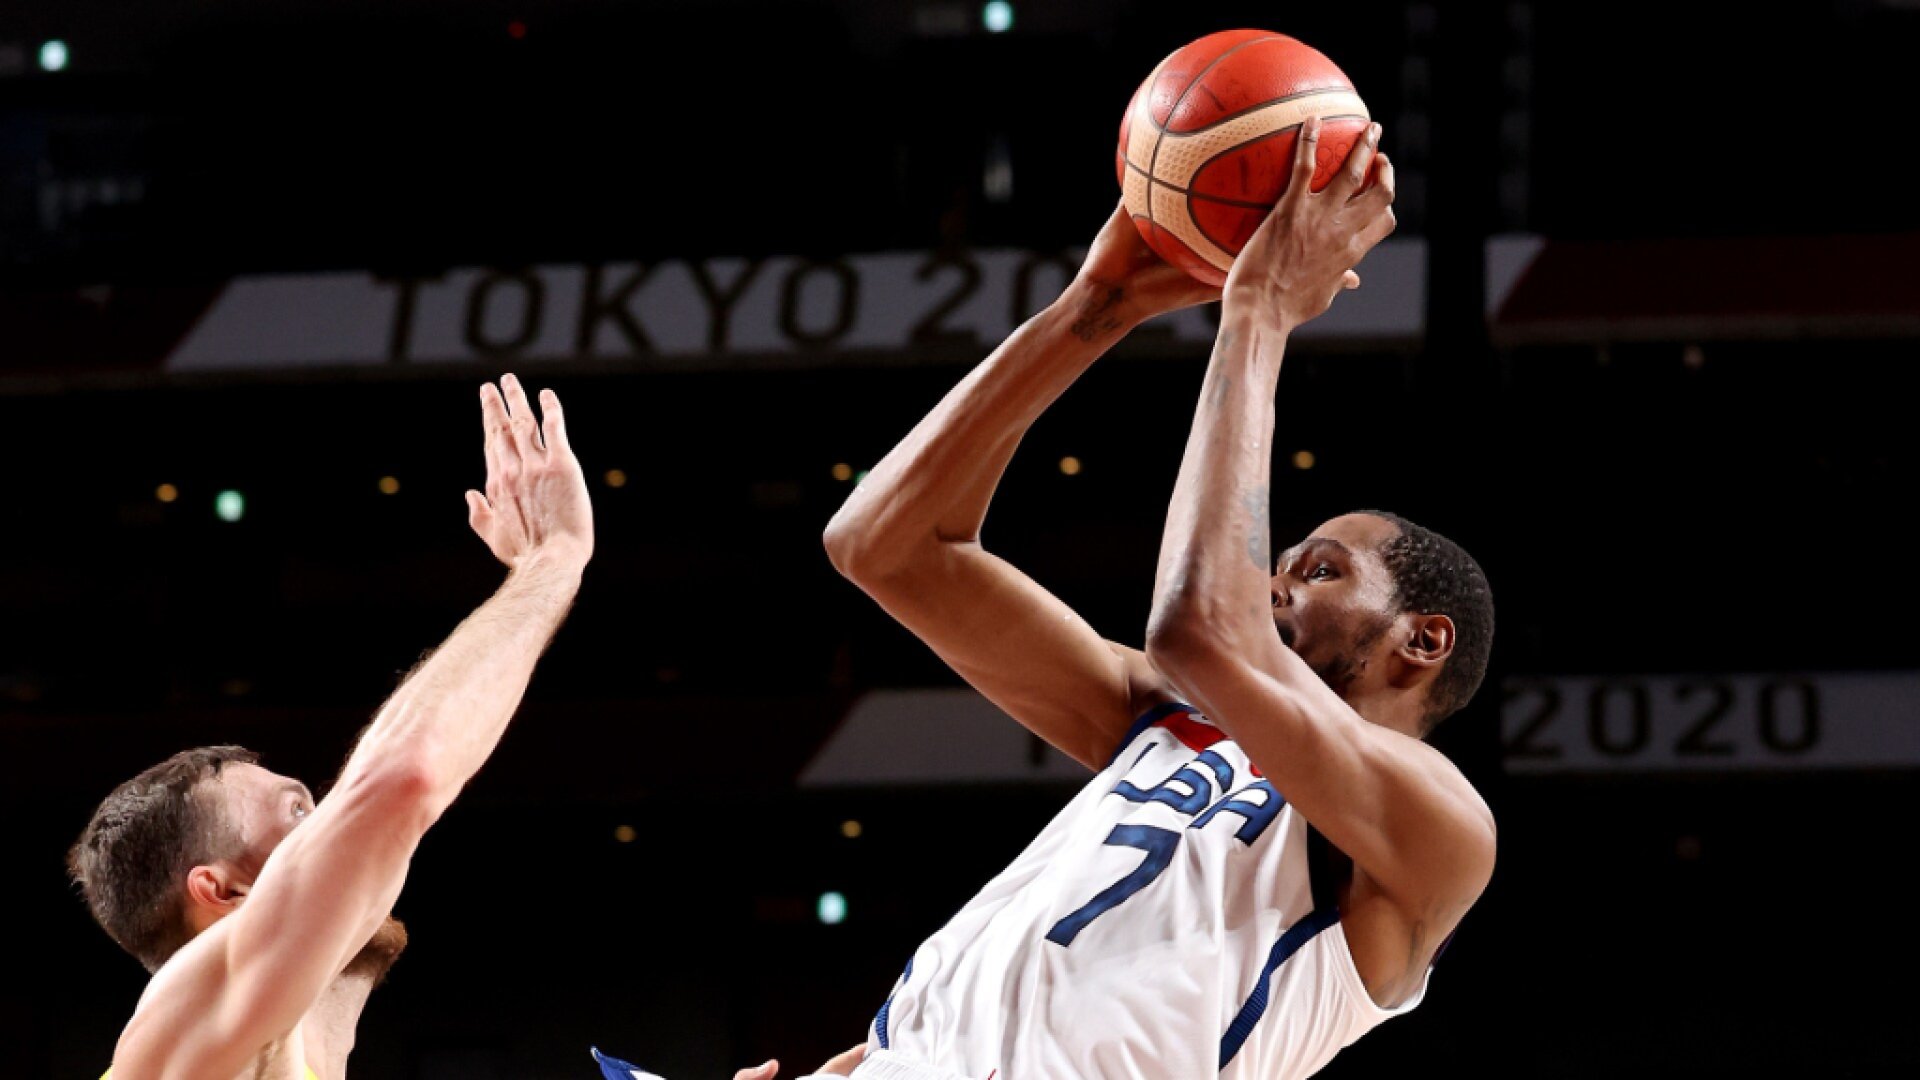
(263, 810)
(376, 957)
(1338, 649)
(1334, 628)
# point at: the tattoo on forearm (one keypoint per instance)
(1222, 386)
(1098, 316)
(1258, 542)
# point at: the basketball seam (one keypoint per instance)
(1191, 194)
(1231, 117)
(1153, 160)
(1211, 64)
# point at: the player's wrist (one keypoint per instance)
(557, 563)
(1258, 308)
(1094, 309)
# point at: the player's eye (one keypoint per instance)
(1321, 572)
(300, 808)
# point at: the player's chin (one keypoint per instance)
(1286, 631)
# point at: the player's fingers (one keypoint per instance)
(1350, 280)
(501, 455)
(1306, 157)
(842, 1064)
(526, 430)
(553, 422)
(478, 512)
(1382, 192)
(1346, 183)
(763, 1071)
(1376, 229)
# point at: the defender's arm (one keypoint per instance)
(250, 978)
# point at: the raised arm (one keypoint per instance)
(909, 535)
(249, 979)
(1397, 808)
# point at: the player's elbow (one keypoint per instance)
(864, 548)
(847, 546)
(406, 790)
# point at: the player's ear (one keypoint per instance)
(1428, 642)
(214, 889)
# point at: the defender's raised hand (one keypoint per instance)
(1304, 253)
(536, 497)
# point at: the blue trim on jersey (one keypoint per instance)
(1297, 935)
(880, 1018)
(1147, 719)
(612, 1068)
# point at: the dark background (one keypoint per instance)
(1638, 513)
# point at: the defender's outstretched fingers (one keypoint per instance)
(501, 454)
(526, 429)
(479, 512)
(1353, 174)
(553, 422)
(1306, 157)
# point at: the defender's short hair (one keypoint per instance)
(135, 853)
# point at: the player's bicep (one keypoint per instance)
(1391, 803)
(1023, 648)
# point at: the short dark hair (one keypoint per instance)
(132, 858)
(1432, 575)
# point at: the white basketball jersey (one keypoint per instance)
(1163, 926)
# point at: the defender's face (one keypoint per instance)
(1333, 596)
(265, 807)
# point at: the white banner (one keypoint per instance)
(776, 312)
(1699, 723)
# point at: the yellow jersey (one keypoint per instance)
(108, 1075)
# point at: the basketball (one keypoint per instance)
(1206, 145)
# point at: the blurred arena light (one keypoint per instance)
(229, 505)
(53, 55)
(832, 908)
(997, 16)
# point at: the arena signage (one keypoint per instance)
(1711, 722)
(683, 313)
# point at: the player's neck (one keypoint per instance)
(329, 1028)
(1389, 707)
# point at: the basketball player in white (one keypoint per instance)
(253, 905)
(1182, 916)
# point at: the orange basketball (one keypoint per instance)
(1207, 143)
